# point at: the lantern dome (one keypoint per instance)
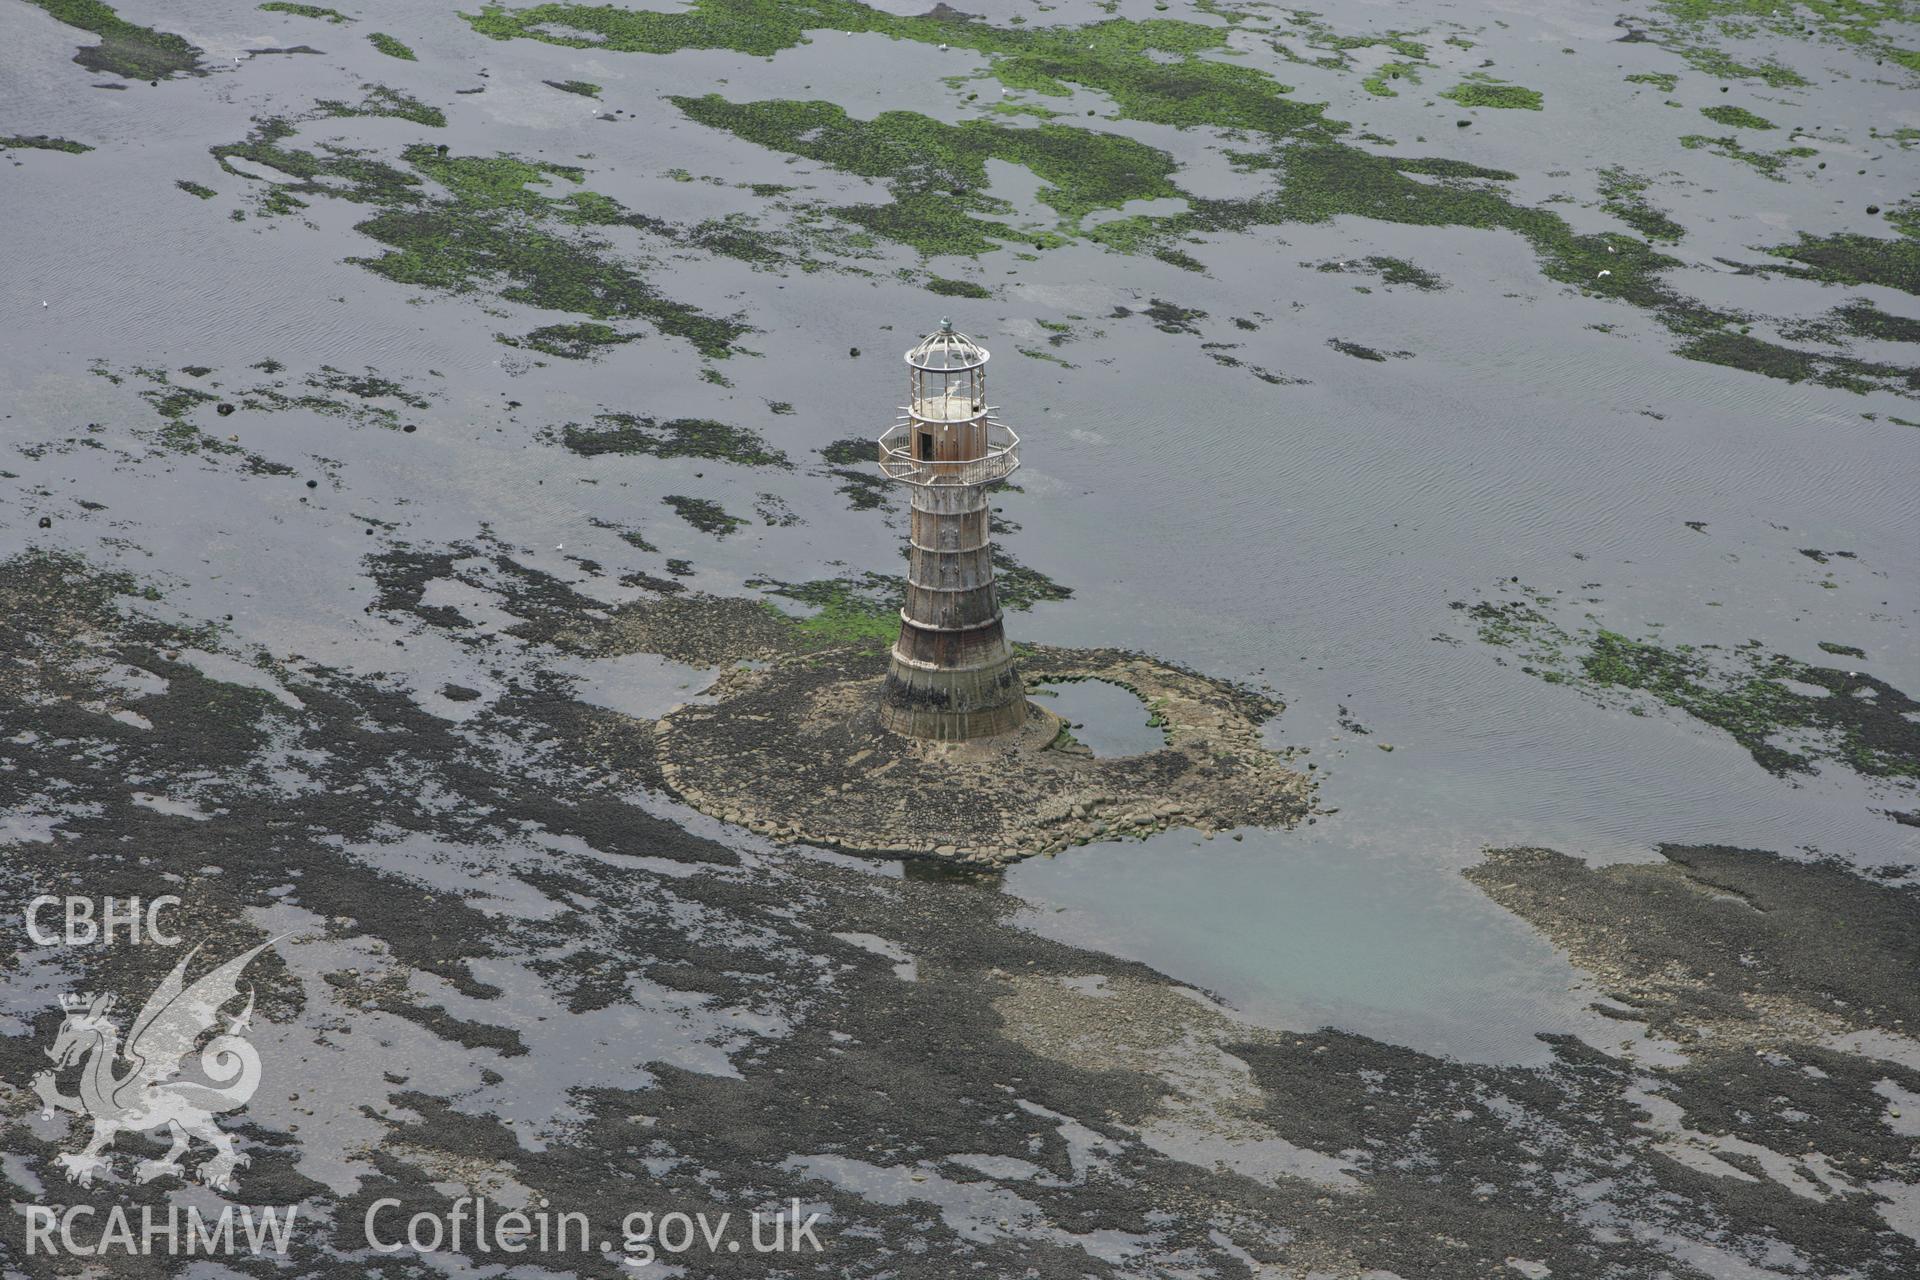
(946, 350)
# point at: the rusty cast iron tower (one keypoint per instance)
(952, 676)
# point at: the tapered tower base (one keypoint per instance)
(954, 703)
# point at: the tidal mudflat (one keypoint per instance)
(405, 409)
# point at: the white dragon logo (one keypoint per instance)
(146, 1096)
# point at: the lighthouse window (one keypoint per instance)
(926, 446)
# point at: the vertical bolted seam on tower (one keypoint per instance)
(952, 675)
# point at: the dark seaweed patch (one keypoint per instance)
(583, 340)
(1481, 90)
(319, 12)
(1154, 71)
(1850, 258)
(1789, 364)
(382, 101)
(937, 171)
(1768, 163)
(1737, 117)
(1622, 195)
(1389, 271)
(956, 288)
(704, 514)
(41, 142)
(1360, 352)
(391, 46)
(626, 433)
(851, 462)
(125, 49)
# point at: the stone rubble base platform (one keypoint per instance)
(795, 750)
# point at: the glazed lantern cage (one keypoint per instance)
(947, 432)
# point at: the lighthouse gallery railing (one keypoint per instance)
(899, 462)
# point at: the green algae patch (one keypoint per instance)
(1381, 82)
(743, 26)
(851, 462)
(196, 189)
(1717, 62)
(1737, 118)
(1387, 270)
(502, 226)
(629, 434)
(382, 101)
(1665, 81)
(1768, 163)
(1790, 364)
(359, 399)
(1747, 698)
(584, 88)
(332, 170)
(956, 288)
(586, 340)
(704, 514)
(366, 386)
(502, 222)
(863, 612)
(390, 46)
(1458, 170)
(1320, 182)
(1335, 48)
(1848, 258)
(1021, 587)
(41, 142)
(1168, 317)
(1692, 24)
(1485, 91)
(319, 13)
(1156, 71)
(1164, 71)
(1855, 318)
(1861, 319)
(177, 435)
(1622, 195)
(125, 49)
(175, 403)
(937, 172)
(1789, 715)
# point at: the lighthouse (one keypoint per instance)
(952, 675)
